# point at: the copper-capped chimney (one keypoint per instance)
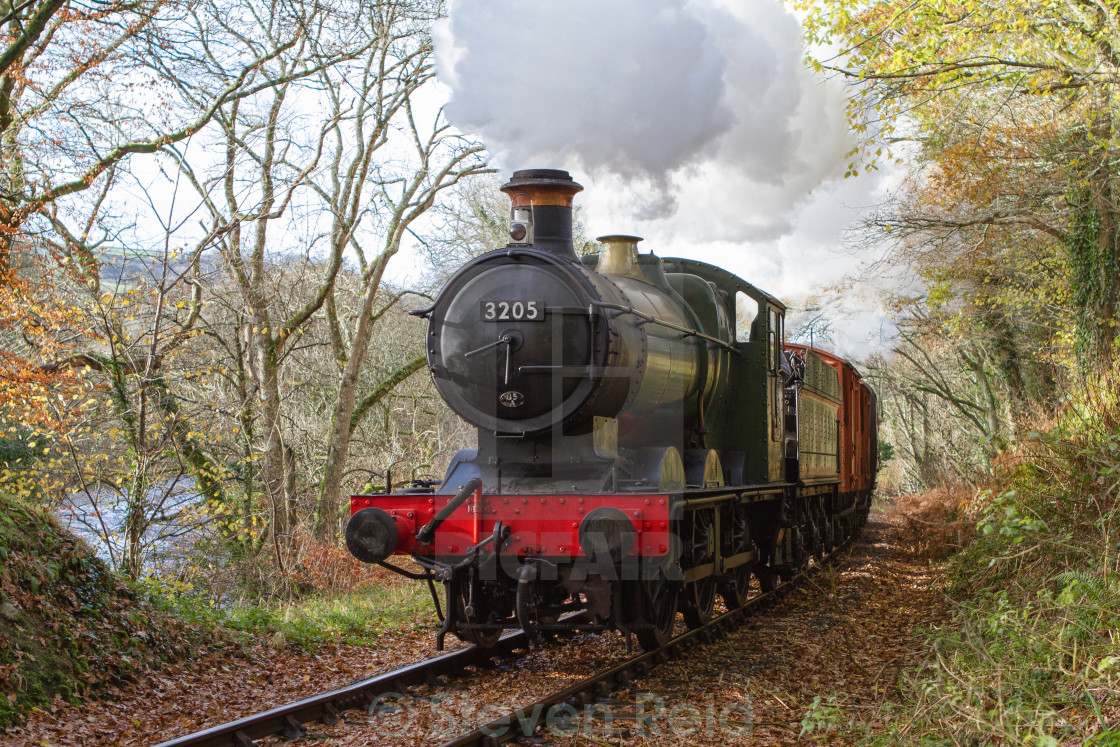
(541, 210)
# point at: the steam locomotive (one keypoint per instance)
(646, 440)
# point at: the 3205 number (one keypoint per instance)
(512, 311)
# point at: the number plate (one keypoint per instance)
(511, 311)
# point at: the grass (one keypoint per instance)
(1016, 670)
(374, 616)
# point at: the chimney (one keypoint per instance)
(541, 210)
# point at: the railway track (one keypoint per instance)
(570, 702)
(288, 721)
(527, 720)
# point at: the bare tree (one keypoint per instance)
(403, 187)
(947, 410)
(80, 91)
(135, 454)
(811, 321)
(338, 169)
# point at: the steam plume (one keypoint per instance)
(697, 108)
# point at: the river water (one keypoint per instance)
(173, 509)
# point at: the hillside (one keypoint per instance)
(67, 625)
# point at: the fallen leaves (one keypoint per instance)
(831, 651)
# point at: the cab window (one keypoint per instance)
(746, 311)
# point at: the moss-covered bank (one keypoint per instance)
(67, 624)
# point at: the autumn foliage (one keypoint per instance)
(936, 524)
(35, 395)
(328, 568)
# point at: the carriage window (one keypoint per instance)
(746, 310)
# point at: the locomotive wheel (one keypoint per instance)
(768, 580)
(864, 512)
(815, 532)
(766, 570)
(480, 638)
(737, 587)
(801, 552)
(700, 596)
(829, 533)
(657, 612)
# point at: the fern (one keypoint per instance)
(1088, 585)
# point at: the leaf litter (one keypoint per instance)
(828, 657)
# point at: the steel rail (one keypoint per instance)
(524, 722)
(287, 720)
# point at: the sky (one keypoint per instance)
(695, 124)
(692, 123)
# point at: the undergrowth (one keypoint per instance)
(366, 616)
(69, 625)
(1032, 654)
(331, 597)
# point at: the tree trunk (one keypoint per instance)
(338, 449)
(273, 475)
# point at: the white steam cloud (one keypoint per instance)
(689, 119)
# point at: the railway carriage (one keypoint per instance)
(646, 441)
